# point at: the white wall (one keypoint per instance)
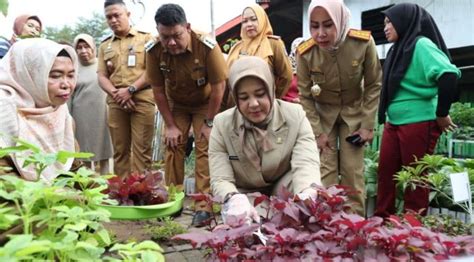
(454, 18)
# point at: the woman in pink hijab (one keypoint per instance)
(339, 80)
(25, 26)
(37, 77)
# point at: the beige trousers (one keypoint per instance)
(184, 117)
(132, 133)
(343, 164)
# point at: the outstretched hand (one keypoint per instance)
(239, 205)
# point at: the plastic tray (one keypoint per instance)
(145, 212)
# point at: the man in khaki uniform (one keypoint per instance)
(187, 72)
(339, 91)
(121, 72)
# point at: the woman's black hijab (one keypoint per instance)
(411, 22)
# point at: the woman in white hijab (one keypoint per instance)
(262, 144)
(339, 80)
(37, 77)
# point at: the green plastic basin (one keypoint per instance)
(145, 212)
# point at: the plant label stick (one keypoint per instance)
(462, 190)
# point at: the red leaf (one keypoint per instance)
(199, 197)
(292, 212)
(279, 205)
(412, 220)
(138, 189)
(196, 239)
(395, 220)
(260, 199)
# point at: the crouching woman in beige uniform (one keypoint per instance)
(261, 144)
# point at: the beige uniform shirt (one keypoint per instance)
(349, 78)
(187, 77)
(294, 152)
(123, 58)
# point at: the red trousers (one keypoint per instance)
(400, 145)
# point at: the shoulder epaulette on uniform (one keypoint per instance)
(150, 44)
(359, 34)
(105, 38)
(208, 41)
(305, 46)
(142, 31)
(274, 37)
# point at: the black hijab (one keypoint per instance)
(411, 22)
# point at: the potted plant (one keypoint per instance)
(142, 195)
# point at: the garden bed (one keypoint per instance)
(139, 230)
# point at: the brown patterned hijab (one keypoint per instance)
(258, 46)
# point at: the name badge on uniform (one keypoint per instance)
(132, 58)
(201, 81)
(233, 158)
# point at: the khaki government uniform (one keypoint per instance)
(131, 132)
(187, 79)
(350, 81)
(279, 65)
(293, 162)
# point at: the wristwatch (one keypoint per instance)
(209, 122)
(132, 89)
(228, 196)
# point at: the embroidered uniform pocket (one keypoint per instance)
(109, 55)
(199, 76)
(140, 56)
(317, 77)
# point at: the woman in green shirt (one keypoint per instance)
(419, 85)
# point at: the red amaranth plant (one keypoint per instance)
(322, 229)
(138, 189)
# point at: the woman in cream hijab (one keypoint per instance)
(339, 80)
(258, 40)
(88, 108)
(262, 144)
(37, 78)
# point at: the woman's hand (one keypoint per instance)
(446, 124)
(308, 193)
(367, 135)
(323, 142)
(239, 205)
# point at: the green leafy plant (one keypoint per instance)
(8, 217)
(462, 114)
(61, 218)
(189, 164)
(371, 164)
(446, 224)
(228, 44)
(437, 170)
(33, 155)
(167, 229)
(4, 7)
(145, 251)
(57, 221)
